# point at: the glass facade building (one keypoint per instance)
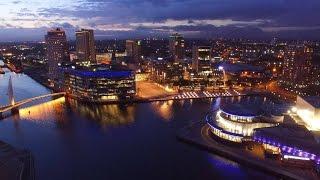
(95, 85)
(233, 123)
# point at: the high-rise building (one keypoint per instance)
(57, 52)
(301, 71)
(133, 50)
(85, 46)
(177, 46)
(201, 59)
(297, 66)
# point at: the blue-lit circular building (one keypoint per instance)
(233, 122)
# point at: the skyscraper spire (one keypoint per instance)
(10, 92)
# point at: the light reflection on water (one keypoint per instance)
(69, 141)
(23, 87)
(47, 113)
(105, 115)
(163, 109)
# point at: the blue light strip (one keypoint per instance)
(100, 74)
(290, 150)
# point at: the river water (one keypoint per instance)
(75, 141)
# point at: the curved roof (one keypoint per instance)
(241, 109)
(296, 136)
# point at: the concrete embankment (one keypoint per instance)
(197, 135)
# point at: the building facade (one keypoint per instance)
(301, 71)
(235, 122)
(85, 46)
(96, 84)
(57, 52)
(177, 46)
(133, 50)
(201, 59)
(308, 109)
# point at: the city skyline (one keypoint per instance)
(29, 20)
(159, 89)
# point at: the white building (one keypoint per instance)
(308, 109)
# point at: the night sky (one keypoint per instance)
(30, 19)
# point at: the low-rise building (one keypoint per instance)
(292, 142)
(234, 122)
(99, 83)
(308, 109)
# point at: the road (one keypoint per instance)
(274, 88)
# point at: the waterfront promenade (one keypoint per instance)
(198, 134)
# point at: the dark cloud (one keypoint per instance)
(16, 2)
(280, 17)
(279, 12)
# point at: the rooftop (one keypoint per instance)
(241, 109)
(101, 73)
(96, 71)
(291, 135)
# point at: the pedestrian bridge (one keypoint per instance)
(16, 105)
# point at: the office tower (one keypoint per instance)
(177, 46)
(133, 50)
(201, 60)
(57, 52)
(85, 46)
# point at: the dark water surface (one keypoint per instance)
(75, 141)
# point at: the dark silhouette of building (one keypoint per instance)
(57, 52)
(133, 50)
(177, 46)
(85, 46)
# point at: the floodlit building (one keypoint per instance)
(308, 109)
(233, 122)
